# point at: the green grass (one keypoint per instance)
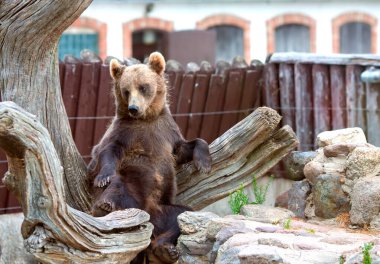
(238, 199)
(287, 223)
(366, 250)
(342, 259)
(260, 191)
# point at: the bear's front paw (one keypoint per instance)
(102, 179)
(166, 252)
(203, 164)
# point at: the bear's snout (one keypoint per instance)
(133, 110)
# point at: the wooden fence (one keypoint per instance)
(312, 93)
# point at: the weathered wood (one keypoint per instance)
(251, 147)
(213, 105)
(333, 59)
(29, 35)
(251, 94)
(356, 98)
(184, 101)
(338, 96)
(304, 104)
(287, 98)
(199, 96)
(321, 98)
(53, 231)
(271, 95)
(373, 114)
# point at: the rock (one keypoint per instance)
(89, 56)
(297, 197)
(342, 149)
(351, 135)
(365, 200)
(358, 258)
(218, 224)
(206, 67)
(239, 62)
(131, 61)
(256, 64)
(194, 222)
(11, 242)
(328, 196)
(259, 255)
(312, 170)
(188, 259)
(173, 65)
(295, 163)
(192, 67)
(282, 200)
(221, 67)
(363, 162)
(109, 58)
(265, 214)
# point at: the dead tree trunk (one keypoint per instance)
(46, 171)
(29, 35)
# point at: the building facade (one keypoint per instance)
(250, 28)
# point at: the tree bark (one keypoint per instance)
(247, 150)
(53, 231)
(29, 35)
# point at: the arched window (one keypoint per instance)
(354, 32)
(144, 35)
(229, 42)
(292, 37)
(84, 33)
(291, 32)
(232, 35)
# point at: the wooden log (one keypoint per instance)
(251, 147)
(53, 231)
(338, 96)
(287, 90)
(321, 98)
(304, 103)
(356, 99)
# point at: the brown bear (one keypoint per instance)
(133, 166)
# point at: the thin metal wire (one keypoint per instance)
(10, 208)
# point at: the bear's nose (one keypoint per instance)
(133, 109)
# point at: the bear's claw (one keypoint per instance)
(106, 206)
(102, 180)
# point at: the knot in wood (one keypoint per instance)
(43, 202)
(5, 123)
(9, 181)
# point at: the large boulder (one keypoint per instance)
(347, 135)
(328, 196)
(265, 214)
(297, 196)
(365, 200)
(295, 163)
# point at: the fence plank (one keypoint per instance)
(175, 81)
(70, 91)
(198, 106)
(304, 115)
(104, 99)
(321, 98)
(287, 91)
(373, 114)
(84, 131)
(3, 190)
(271, 95)
(338, 96)
(62, 74)
(185, 101)
(232, 100)
(251, 97)
(214, 103)
(356, 100)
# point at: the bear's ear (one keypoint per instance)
(157, 62)
(116, 69)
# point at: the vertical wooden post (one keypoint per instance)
(304, 103)
(338, 96)
(321, 98)
(287, 100)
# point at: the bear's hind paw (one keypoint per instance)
(166, 252)
(106, 206)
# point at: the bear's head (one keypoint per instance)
(140, 90)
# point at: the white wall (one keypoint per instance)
(185, 17)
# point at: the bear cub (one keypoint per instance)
(133, 166)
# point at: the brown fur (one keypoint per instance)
(133, 166)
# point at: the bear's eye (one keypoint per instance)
(143, 88)
(126, 93)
